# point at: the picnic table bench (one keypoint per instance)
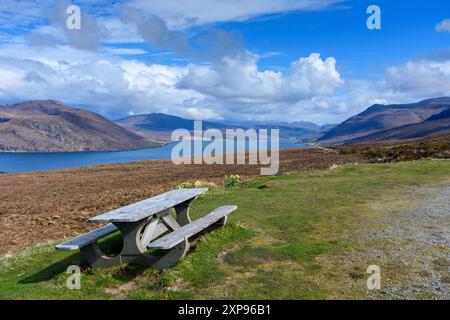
(148, 225)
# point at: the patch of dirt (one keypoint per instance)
(122, 291)
(222, 254)
(49, 206)
(409, 240)
(417, 239)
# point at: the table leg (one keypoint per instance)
(173, 255)
(96, 258)
(136, 236)
(182, 211)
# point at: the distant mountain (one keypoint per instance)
(327, 127)
(160, 125)
(304, 125)
(382, 122)
(47, 126)
(436, 125)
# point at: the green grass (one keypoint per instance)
(272, 247)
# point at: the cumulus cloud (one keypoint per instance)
(102, 83)
(116, 87)
(425, 77)
(239, 78)
(233, 88)
(443, 26)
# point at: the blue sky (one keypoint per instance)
(278, 60)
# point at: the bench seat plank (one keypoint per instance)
(88, 238)
(143, 209)
(176, 237)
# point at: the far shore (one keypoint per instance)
(60, 160)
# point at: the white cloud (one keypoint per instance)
(125, 51)
(119, 31)
(424, 77)
(313, 76)
(152, 21)
(443, 26)
(233, 88)
(199, 12)
(102, 83)
(21, 14)
(116, 87)
(238, 78)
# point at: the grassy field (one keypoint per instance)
(283, 242)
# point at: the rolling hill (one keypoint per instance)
(51, 126)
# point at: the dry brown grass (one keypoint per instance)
(48, 206)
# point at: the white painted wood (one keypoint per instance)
(143, 209)
(88, 238)
(178, 236)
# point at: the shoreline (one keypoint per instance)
(98, 158)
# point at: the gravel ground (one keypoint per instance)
(412, 247)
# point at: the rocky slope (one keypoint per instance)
(51, 126)
(436, 125)
(381, 118)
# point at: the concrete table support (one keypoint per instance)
(148, 225)
(137, 235)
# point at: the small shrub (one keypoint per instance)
(186, 185)
(232, 180)
(438, 148)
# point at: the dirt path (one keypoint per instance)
(418, 240)
(408, 237)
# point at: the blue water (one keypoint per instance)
(26, 162)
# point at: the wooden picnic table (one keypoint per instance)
(146, 225)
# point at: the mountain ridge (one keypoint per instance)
(436, 125)
(51, 126)
(379, 118)
(161, 125)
